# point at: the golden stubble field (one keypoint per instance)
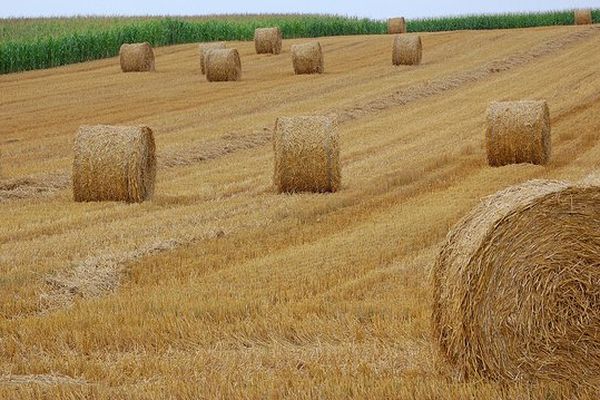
(221, 288)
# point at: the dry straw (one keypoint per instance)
(307, 155)
(517, 286)
(204, 48)
(267, 40)
(583, 17)
(114, 163)
(307, 58)
(407, 50)
(396, 25)
(518, 132)
(223, 65)
(136, 57)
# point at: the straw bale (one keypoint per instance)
(267, 40)
(583, 16)
(114, 163)
(307, 155)
(307, 58)
(407, 50)
(518, 132)
(203, 48)
(516, 286)
(223, 65)
(136, 57)
(396, 25)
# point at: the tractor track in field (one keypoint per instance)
(45, 185)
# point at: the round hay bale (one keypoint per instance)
(203, 48)
(307, 58)
(518, 132)
(223, 65)
(114, 163)
(396, 25)
(407, 50)
(583, 17)
(516, 286)
(307, 155)
(267, 40)
(136, 57)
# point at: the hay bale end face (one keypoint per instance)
(396, 25)
(203, 48)
(307, 155)
(307, 58)
(516, 286)
(408, 50)
(518, 132)
(223, 65)
(583, 17)
(267, 40)
(136, 57)
(114, 163)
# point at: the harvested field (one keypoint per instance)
(220, 287)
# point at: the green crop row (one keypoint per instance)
(45, 43)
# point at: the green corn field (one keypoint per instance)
(27, 44)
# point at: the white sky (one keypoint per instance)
(364, 8)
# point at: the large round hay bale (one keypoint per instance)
(396, 25)
(583, 17)
(516, 286)
(518, 132)
(307, 58)
(267, 40)
(203, 48)
(223, 65)
(136, 57)
(307, 155)
(407, 50)
(114, 163)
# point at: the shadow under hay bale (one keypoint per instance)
(396, 25)
(307, 58)
(203, 49)
(267, 40)
(408, 50)
(516, 287)
(307, 155)
(114, 163)
(518, 132)
(136, 57)
(583, 17)
(223, 65)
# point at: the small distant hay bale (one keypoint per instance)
(307, 155)
(223, 65)
(136, 57)
(407, 50)
(114, 163)
(267, 40)
(516, 286)
(396, 25)
(518, 132)
(583, 17)
(307, 58)
(203, 48)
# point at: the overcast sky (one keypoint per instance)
(362, 8)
